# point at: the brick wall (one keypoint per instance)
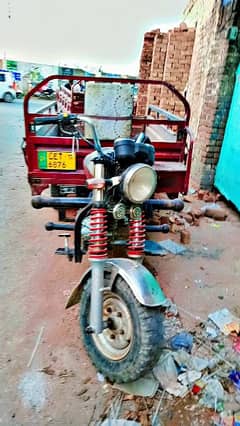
(165, 56)
(211, 81)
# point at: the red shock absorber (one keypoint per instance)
(98, 234)
(136, 240)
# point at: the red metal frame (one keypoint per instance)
(164, 151)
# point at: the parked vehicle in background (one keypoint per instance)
(46, 92)
(7, 91)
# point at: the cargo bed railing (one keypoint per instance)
(40, 177)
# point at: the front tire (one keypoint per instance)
(131, 344)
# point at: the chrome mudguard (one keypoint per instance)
(144, 286)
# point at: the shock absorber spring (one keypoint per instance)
(98, 234)
(136, 237)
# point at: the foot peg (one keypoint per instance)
(66, 251)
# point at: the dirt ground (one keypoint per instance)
(59, 386)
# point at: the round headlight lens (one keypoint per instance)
(139, 183)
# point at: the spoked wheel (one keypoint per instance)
(131, 343)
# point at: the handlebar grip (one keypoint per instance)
(55, 119)
(46, 120)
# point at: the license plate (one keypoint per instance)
(55, 160)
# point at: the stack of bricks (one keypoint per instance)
(171, 55)
(145, 69)
(157, 67)
(177, 66)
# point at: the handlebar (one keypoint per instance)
(71, 119)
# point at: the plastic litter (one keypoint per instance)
(236, 345)
(170, 307)
(172, 247)
(165, 370)
(226, 419)
(119, 422)
(211, 332)
(198, 386)
(225, 321)
(187, 361)
(145, 386)
(237, 419)
(189, 377)
(100, 377)
(177, 390)
(235, 377)
(213, 395)
(182, 340)
(154, 248)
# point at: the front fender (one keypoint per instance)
(144, 286)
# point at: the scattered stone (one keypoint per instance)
(85, 398)
(185, 237)
(216, 213)
(48, 370)
(196, 213)
(201, 193)
(164, 220)
(187, 217)
(82, 392)
(66, 373)
(188, 198)
(87, 380)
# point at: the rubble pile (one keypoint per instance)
(201, 204)
(197, 377)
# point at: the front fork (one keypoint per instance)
(97, 254)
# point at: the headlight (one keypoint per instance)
(139, 182)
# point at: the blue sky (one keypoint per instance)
(85, 33)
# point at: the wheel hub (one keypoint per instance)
(115, 340)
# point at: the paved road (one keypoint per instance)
(34, 284)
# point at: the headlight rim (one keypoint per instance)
(127, 176)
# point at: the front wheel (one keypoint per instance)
(131, 344)
(8, 97)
